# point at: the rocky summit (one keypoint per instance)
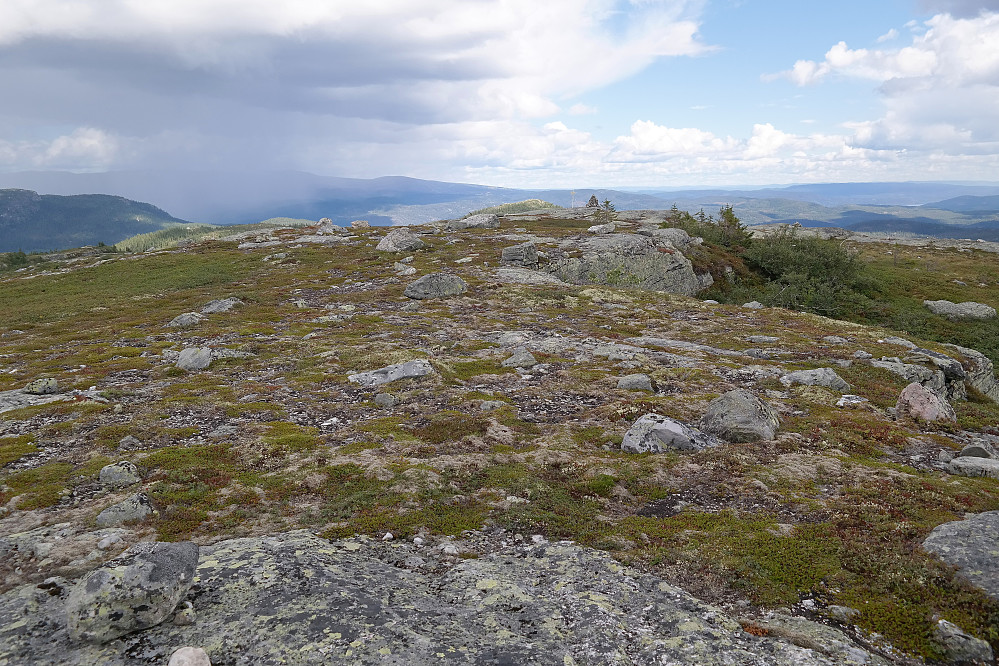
(565, 436)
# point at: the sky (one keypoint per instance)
(516, 93)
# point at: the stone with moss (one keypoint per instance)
(133, 509)
(436, 285)
(137, 590)
(740, 416)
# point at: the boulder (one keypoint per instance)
(436, 285)
(599, 229)
(194, 358)
(949, 366)
(678, 238)
(826, 377)
(979, 371)
(386, 400)
(978, 450)
(185, 320)
(400, 239)
(137, 507)
(930, 378)
(918, 402)
(391, 373)
(625, 260)
(753, 305)
(740, 416)
(970, 545)
(522, 358)
(360, 224)
(957, 311)
(636, 382)
(481, 221)
(654, 433)
(974, 466)
(327, 228)
(525, 254)
(136, 590)
(835, 340)
(119, 474)
(43, 386)
(220, 305)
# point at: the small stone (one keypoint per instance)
(849, 400)
(386, 400)
(960, 647)
(601, 229)
(195, 358)
(762, 339)
(223, 305)
(522, 358)
(835, 340)
(129, 443)
(185, 320)
(119, 474)
(710, 301)
(388, 536)
(825, 377)
(184, 616)
(190, 656)
(843, 614)
(861, 355)
(360, 224)
(403, 269)
(391, 373)
(136, 507)
(753, 305)
(901, 342)
(491, 405)
(636, 382)
(481, 221)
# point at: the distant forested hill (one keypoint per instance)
(35, 222)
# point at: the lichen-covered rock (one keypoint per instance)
(599, 229)
(400, 239)
(137, 590)
(391, 373)
(826, 377)
(194, 358)
(136, 507)
(221, 305)
(119, 474)
(930, 378)
(949, 366)
(525, 254)
(626, 260)
(979, 371)
(918, 402)
(740, 416)
(296, 599)
(830, 642)
(481, 221)
(43, 386)
(960, 647)
(636, 382)
(970, 545)
(522, 358)
(436, 285)
(185, 320)
(974, 466)
(956, 311)
(654, 433)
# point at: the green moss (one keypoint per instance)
(283, 437)
(357, 447)
(13, 449)
(40, 487)
(465, 370)
(451, 426)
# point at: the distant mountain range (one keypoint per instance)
(945, 209)
(33, 222)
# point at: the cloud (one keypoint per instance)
(960, 8)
